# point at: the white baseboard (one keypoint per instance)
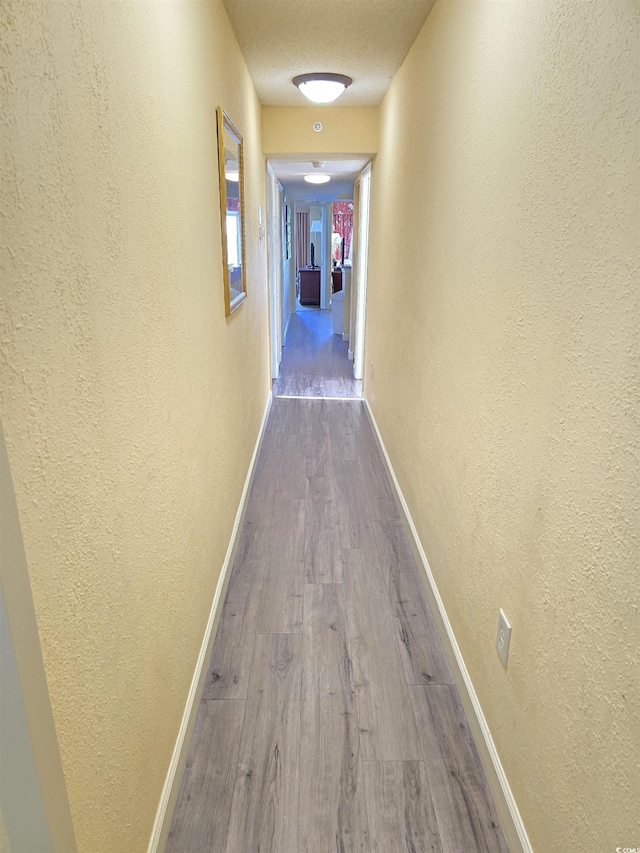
(510, 818)
(169, 795)
(350, 354)
(345, 336)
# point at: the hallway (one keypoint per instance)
(329, 720)
(161, 485)
(314, 360)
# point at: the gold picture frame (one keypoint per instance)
(232, 212)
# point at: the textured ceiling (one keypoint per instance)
(343, 172)
(365, 39)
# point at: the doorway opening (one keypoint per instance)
(312, 245)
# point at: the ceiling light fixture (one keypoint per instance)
(322, 88)
(317, 179)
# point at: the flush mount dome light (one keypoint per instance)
(322, 88)
(317, 179)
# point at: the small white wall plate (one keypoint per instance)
(504, 638)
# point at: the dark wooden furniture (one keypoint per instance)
(336, 278)
(309, 285)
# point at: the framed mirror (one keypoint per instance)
(231, 168)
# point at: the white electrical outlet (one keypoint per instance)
(504, 638)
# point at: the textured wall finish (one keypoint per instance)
(289, 130)
(130, 404)
(503, 331)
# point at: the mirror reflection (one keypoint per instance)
(232, 211)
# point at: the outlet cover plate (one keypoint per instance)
(504, 638)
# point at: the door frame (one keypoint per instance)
(274, 269)
(359, 271)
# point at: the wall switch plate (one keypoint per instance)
(504, 638)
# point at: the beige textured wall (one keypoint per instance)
(503, 329)
(33, 790)
(4, 841)
(345, 130)
(130, 404)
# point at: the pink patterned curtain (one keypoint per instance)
(343, 225)
(303, 238)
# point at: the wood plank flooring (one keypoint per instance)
(315, 362)
(329, 720)
(332, 805)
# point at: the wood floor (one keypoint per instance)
(329, 720)
(315, 361)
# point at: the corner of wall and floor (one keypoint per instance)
(511, 822)
(504, 384)
(162, 823)
(504, 393)
(128, 438)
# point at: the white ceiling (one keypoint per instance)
(365, 39)
(343, 171)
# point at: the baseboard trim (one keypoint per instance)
(345, 336)
(510, 818)
(350, 354)
(164, 814)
